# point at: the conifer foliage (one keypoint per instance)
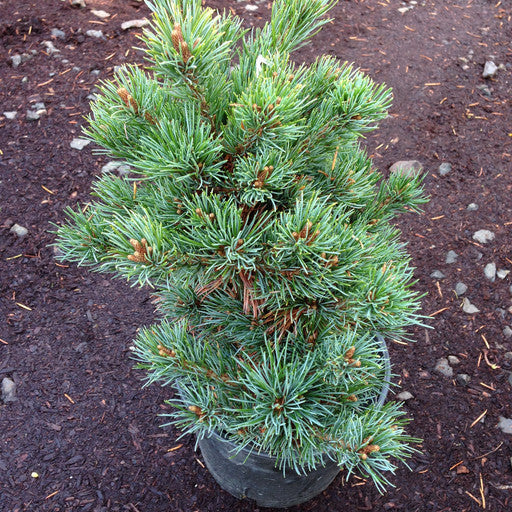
(264, 230)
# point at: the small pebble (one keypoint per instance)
(460, 288)
(79, 143)
(472, 207)
(443, 367)
(18, 230)
(490, 69)
(410, 168)
(59, 34)
(505, 425)
(94, 33)
(10, 115)
(451, 257)
(404, 395)
(507, 332)
(251, 7)
(134, 24)
(463, 379)
(453, 360)
(501, 273)
(100, 14)
(80, 4)
(483, 236)
(50, 47)
(15, 60)
(437, 274)
(490, 271)
(444, 168)
(8, 390)
(469, 308)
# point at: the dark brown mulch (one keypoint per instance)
(82, 422)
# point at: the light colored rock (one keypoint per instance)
(501, 273)
(79, 144)
(483, 236)
(463, 378)
(50, 47)
(437, 274)
(134, 24)
(490, 69)
(59, 34)
(469, 308)
(444, 168)
(18, 230)
(460, 288)
(472, 207)
(404, 395)
(251, 7)
(507, 332)
(443, 367)
(505, 425)
(453, 360)
(80, 4)
(490, 271)
(451, 257)
(11, 114)
(100, 14)
(8, 390)
(410, 168)
(15, 60)
(98, 34)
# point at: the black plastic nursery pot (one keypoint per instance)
(254, 475)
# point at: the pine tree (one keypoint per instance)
(257, 218)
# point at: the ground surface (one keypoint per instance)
(82, 422)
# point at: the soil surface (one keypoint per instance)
(83, 435)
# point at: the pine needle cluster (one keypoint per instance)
(257, 218)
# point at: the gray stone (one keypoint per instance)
(50, 47)
(134, 24)
(8, 390)
(443, 367)
(453, 360)
(463, 379)
(410, 168)
(490, 69)
(98, 34)
(483, 236)
(32, 115)
(444, 168)
(15, 60)
(507, 332)
(437, 274)
(501, 273)
(59, 34)
(451, 257)
(469, 308)
(472, 207)
(100, 13)
(490, 271)
(404, 395)
(485, 89)
(18, 230)
(251, 7)
(79, 144)
(80, 4)
(460, 288)
(11, 114)
(505, 425)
